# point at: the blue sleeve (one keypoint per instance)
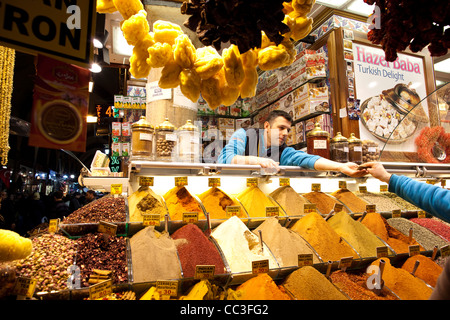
(235, 146)
(432, 199)
(292, 157)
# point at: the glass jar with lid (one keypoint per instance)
(188, 142)
(142, 140)
(339, 148)
(354, 149)
(165, 141)
(317, 142)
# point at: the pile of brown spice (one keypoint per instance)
(324, 203)
(353, 202)
(289, 200)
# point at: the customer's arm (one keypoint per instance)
(428, 197)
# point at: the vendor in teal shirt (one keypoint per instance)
(267, 148)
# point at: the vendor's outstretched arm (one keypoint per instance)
(349, 168)
(252, 160)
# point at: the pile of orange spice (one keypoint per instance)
(403, 283)
(261, 287)
(428, 270)
(395, 239)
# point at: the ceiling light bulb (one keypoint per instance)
(96, 68)
(98, 43)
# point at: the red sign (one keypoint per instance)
(60, 106)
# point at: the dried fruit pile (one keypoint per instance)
(410, 23)
(261, 34)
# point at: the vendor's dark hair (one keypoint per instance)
(278, 113)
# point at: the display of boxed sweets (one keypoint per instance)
(226, 127)
(325, 123)
(116, 128)
(286, 103)
(285, 86)
(311, 91)
(243, 123)
(305, 107)
(223, 110)
(118, 101)
(291, 138)
(311, 58)
(316, 71)
(300, 132)
(126, 129)
(272, 94)
(236, 108)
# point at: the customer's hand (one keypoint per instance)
(351, 169)
(377, 170)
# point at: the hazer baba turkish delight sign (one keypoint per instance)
(390, 95)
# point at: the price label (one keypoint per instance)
(345, 262)
(338, 207)
(204, 271)
(181, 181)
(316, 187)
(382, 252)
(413, 250)
(383, 188)
(285, 182)
(421, 214)
(53, 225)
(272, 211)
(260, 266)
(100, 290)
(370, 208)
(214, 182)
(305, 260)
(429, 181)
(233, 210)
(252, 182)
(116, 188)
(363, 189)
(151, 220)
(342, 184)
(146, 181)
(190, 217)
(167, 288)
(397, 213)
(107, 228)
(445, 251)
(309, 207)
(24, 287)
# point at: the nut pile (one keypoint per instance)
(98, 251)
(48, 262)
(371, 152)
(164, 147)
(239, 22)
(107, 208)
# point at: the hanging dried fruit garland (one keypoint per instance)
(431, 140)
(410, 23)
(7, 59)
(265, 41)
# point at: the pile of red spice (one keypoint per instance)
(194, 248)
(434, 225)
